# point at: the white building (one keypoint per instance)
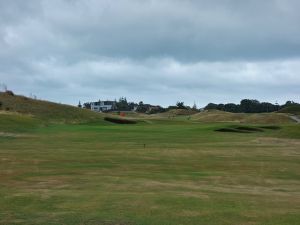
(102, 106)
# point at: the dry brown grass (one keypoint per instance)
(46, 110)
(256, 118)
(175, 112)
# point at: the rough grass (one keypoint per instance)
(175, 112)
(295, 109)
(47, 111)
(11, 121)
(258, 118)
(166, 172)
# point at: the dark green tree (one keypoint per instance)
(180, 105)
(142, 108)
(87, 105)
(211, 106)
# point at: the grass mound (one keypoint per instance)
(47, 111)
(217, 116)
(16, 122)
(294, 109)
(252, 118)
(177, 112)
(119, 120)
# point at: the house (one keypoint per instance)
(103, 106)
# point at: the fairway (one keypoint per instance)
(149, 112)
(155, 172)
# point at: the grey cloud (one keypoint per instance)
(166, 81)
(152, 50)
(185, 30)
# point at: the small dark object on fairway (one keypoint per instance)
(119, 120)
(271, 127)
(144, 145)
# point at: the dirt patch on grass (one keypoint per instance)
(39, 185)
(225, 188)
(277, 141)
(14, 135)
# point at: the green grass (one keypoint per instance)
(13, 122)
(159, 172)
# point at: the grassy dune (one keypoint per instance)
(47, 111)
(175, 112)
(220, 116)
(163, 171)
(16, 122)
(295, 109)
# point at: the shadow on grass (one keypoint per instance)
(246, 129)
(119, 120)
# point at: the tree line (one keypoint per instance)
(245, 106)
(249, 106)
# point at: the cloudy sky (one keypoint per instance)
(158, 51)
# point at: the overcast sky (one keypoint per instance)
(158, 51)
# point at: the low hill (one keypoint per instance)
(176, 112)
(258, 118)
(45, 110)
(293, 109)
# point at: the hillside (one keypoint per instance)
(15, 107)
(174, 113)
(45, 110)
(294, 109)
(221, 116)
